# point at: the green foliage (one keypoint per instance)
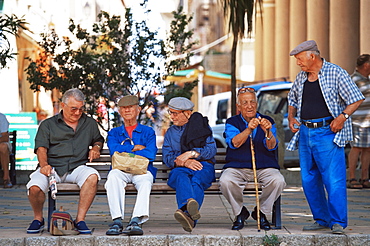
(271, 240)
(8, 25)
(113, 60)
(177, 49)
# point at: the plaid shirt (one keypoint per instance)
(338, 90)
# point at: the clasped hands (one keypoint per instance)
(263, 122)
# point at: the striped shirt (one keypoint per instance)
(338, 90)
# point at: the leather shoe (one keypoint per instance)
(239, 221)
(264, 223)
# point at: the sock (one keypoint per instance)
(135, 219)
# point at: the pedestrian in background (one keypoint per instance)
(361, 127)
(322, 97)
(5, 148)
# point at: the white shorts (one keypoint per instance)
(78, 176)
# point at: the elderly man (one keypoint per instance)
(188, 149)
(5, 148)
(239, 130)
(321, 101)
(140, 140)
(62, 143)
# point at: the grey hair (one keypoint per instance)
(314, 52)
(75, 93)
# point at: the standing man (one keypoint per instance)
(189, 150)
(361, 126)
(5, 148)
(322, 98)
(62, 143)
(238, 170)
(138, 139)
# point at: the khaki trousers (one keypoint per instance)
(233, 181)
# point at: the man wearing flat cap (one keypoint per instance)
(140, 140)
(189, 150)
(321, 101)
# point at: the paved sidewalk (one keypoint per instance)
(162, 229)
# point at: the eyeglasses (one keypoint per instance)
(174, 113)
(74, 109)
(246, 89)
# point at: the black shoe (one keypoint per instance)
(264, 223)
(239, 221)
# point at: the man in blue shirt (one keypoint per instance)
(188, 149)
(322, 98)
(238, 170)
(140, 140)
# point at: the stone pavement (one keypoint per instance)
(162, 229)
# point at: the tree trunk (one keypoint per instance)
(233, 74)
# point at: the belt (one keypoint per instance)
(322, 123)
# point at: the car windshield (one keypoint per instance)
(273, 102)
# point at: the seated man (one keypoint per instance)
(138, 139)
(5, 148)
(189, 149)
(62, 143)
(238, 169)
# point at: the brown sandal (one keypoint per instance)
(354, 184)
(365, 183)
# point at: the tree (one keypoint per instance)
(111, 61)
(237, 11)
(8, 25)
(177, 49)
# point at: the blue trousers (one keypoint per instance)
(191, 184)
(323, 167)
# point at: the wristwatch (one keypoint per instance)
(345, 115)
(193, 153)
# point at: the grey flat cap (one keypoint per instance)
(180, 103)
(128, 101)
(309, 45)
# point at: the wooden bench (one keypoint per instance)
(159, 187)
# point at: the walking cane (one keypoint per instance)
(255, 184)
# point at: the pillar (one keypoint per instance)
(298, 31)
(318, 25)
(281, 38)
(364, 26)
(268, 39)
(344, 33)
(258, 46)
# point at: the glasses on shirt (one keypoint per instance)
(246, 89)
(174, 113)
(74, 109)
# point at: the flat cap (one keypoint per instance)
(128, 101)
(309, 45)
(180, 103)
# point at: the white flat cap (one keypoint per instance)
(309, 45)
(180, 103)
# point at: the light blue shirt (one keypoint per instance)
(338, 90)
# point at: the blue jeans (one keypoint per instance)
(191, 184)
(323, 167)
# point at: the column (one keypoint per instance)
(258, 47)
(268, 39)
(344, 33)
(364, 27)
(281, 38)
(297, 32)
(318, 25)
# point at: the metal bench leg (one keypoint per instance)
(276, 213)
(51, 208)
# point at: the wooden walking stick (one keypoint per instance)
(255, 184)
